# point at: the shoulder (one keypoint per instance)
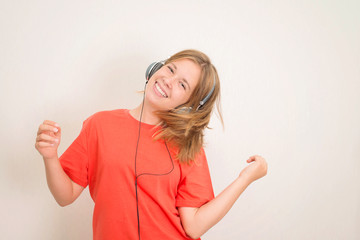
(105, 117)
(200, 158)
(199, 163)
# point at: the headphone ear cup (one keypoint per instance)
(183, 110)
(152, 68)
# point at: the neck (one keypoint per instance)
(147, 117)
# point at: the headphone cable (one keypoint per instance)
(153, 174)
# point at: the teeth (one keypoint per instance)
(159, 89)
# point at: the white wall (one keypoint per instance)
(290, 74)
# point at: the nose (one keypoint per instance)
(168, 81)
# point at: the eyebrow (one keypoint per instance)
(183, 78)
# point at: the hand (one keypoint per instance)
(255, 170)
(48, 139)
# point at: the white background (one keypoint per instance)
(290, 79)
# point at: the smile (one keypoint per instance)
(159, 90)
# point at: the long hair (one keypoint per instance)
(184, 128)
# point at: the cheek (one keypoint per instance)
(182, 97)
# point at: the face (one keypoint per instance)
(172, 84)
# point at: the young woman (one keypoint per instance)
(146, 167)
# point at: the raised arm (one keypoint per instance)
(64, 190)
(196, 221)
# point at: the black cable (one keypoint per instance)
(153, 174)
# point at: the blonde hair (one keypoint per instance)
(184, 129)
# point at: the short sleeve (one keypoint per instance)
(195, 187)
(75, 160)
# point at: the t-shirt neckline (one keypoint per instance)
(146, 125)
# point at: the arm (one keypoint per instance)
(64, 190)
(196, 221)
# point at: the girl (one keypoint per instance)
(146, 167)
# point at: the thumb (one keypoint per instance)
(250, 159)
(58, 133)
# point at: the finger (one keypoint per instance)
(51, 123)
(46, 127)
(46, 138)
(44, 144)
(58, 132)
(251, 159)
(256, 157)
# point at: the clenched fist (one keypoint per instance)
(48, 139)
(255, 170)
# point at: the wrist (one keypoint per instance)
(246, 178)
(51, 159)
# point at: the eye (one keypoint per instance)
(172, 71)
(183, 85)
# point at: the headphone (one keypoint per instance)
(155, 66)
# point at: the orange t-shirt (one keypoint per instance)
(103, 157)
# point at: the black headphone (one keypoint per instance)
(155, 66)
